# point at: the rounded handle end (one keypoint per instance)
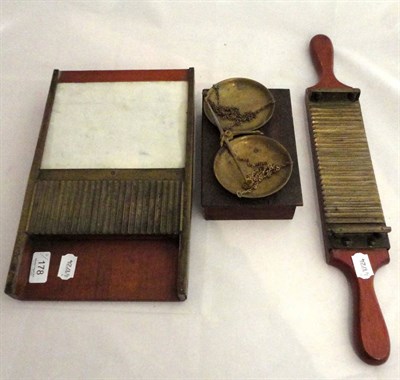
(370, 331)
(321, 49)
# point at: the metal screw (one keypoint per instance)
(346, 241)
(316, 96)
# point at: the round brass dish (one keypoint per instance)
(240, 104)
(265, 166)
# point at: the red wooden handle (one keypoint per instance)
(322, 55)
(370, 332)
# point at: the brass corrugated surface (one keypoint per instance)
(347, 181)
(140, 207)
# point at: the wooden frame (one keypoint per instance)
(129, 227)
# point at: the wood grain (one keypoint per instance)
(321, 49)
(370, 331)
(107, 269)
(122, 76)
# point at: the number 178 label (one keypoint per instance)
(39, 267)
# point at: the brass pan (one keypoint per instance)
(241, 104)
(263, 161)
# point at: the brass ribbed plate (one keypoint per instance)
(121, 207)
(349, 191)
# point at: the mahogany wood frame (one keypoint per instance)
(109, 267)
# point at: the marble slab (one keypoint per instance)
(117, 125)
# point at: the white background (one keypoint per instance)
(263, 303)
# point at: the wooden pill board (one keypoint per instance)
(110, 184)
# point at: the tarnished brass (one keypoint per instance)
(252, 166)
(265, 162)
(349, 192)
(100, 207)
(225, 139)
(242, 105)
(350, 200)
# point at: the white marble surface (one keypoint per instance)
(120, 125)
(263, 303)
